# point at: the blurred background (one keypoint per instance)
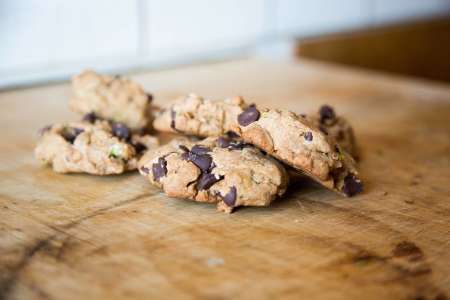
(44, 41)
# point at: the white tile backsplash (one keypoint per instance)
(178, 28)
(45, 33)
(42, 40)
(315, 17)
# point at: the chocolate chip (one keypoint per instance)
(203, 162)
(173, 114)
(121, 131)
(223, 142)
(308, 136)
(200, 150)
(230, 197)
(198, 156)
(248, 116)
(206, 180)
(139, 147)
(149, 97)
(323, 129)
(90, 117)
(232, 134)
(71, 133)
(238, 145)
(145, 170)
(352, 185)
(326, 113)
(184, 148)
(303, 115)
(185, 154)
(159, 169)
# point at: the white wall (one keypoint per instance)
(52, 39)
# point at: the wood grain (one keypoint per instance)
(88, 237)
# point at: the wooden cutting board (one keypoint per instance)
(117, 237)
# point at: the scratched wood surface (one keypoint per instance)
(88, 237)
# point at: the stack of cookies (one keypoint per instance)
(245, 158)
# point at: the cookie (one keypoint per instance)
(113, 98)
(197, 116)
(300, 144)
(292, 138)
(217, 170)
(100, 148)
(336, 127)
(194, 115)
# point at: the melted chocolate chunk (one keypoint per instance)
(184, 148)
(326, 113)
(159, 169)
(230, 197)
(145, 170)
(149, 97)
(248, 116)
(206, 180)
(185, 154)
(139, 147)
(232, 134)
(90, 117)
(203, 162)
(352, 185)
(200, 150)
(198, 157)
(223, 142)
(71, 133)
(308, 136)
(173, 114)
(121, 131)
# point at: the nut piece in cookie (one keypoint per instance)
(112, 98)
(218, 170)
(195, 115)
(81, 147)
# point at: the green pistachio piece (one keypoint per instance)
(115, 151)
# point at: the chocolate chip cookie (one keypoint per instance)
(100, 148)
(300, 144)
(292, 138)
(194, 115)
(113, 98)
(219, 170)
(336, 127)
